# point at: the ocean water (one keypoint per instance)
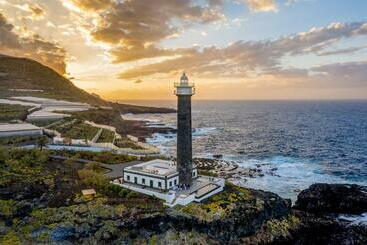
(305, 141)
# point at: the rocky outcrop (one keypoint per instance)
(333, 198)
(243, 220)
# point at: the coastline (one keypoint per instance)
(283, 175)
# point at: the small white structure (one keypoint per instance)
(21, 129)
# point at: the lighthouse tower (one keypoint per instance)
(184, 90)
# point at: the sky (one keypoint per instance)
(230, 49)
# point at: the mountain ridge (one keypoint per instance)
(25, 73)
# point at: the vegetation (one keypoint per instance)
(207, 173)
(19, 165)
(219, 205)
(46, 123)
(102, 157)
(13, 112)
(45, 205)
(19, 140)
(107, 136)
(41, 142)
(125, 142)
(75, 129)
(282, 227)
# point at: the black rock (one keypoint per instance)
(333, 198)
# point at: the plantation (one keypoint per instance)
(107, 136)
(75, 129)
(13, 112)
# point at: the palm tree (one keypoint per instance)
(41, 142)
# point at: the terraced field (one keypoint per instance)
(76, 130)
(13, 112)
(107, 136)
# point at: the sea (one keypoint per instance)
(302, 142)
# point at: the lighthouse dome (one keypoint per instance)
(184, 78)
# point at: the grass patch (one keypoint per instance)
(19, 140)
(219, 205)
(282, 228)
(125, 142)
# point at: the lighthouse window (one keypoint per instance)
(175, 181)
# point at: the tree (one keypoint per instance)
(41, 142)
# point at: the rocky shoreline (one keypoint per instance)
(230, 170)
(42, 203)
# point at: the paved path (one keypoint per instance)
(116, 170)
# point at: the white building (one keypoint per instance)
(21, 129)
(157, 174)
(160, 178)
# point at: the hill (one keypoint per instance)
(23, 73)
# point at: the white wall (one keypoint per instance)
(148, 179)
(21, 133)
(166, 196)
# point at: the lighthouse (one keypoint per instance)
(176, 184)
(184, 90)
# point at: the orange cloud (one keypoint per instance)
(32, 46)
(262, 5)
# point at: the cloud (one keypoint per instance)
(262, 5)
(32, 11)
(37, 11)
(138, 81)
(133, 28)
(342, 51)
(242, 59)
(349, 73)
(92, 5)
(31, 45)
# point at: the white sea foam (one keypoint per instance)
(288, 176)
(355, 219)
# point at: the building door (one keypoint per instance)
(151, 183)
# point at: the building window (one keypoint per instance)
(128, 177)
(135, 180)
(151, 183)
(175, 181)
(143, 181)
(170, 184)
(193, 174)
(160, 184)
